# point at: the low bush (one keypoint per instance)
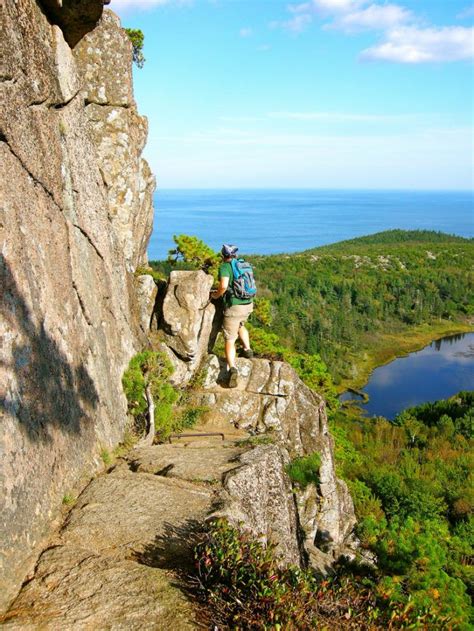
(242, 584)
(305, 470)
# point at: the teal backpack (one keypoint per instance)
(243, 285)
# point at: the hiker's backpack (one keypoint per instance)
(243, 285)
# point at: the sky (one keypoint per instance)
(372, 94)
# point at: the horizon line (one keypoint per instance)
(310, 188)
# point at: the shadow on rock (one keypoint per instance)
(173, 548)
(49, 390)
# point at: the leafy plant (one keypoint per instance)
(137, 38)
(305, 470)
(173, 411)
(244, 585)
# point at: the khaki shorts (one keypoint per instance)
(234, 318)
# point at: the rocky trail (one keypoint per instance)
(117, 560)
(113, 563)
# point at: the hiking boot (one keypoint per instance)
(232, 382)
(247, 353)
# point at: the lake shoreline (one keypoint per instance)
(395, 345)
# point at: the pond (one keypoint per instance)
(438, 371)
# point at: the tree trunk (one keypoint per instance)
(150, 435)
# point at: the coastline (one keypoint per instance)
(390, 346)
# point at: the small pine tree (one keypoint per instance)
(195, 252)
(137, 38)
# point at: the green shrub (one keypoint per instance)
(173, 411)
(305, 470)
(151, 368)
(243, 585)
(157, 276)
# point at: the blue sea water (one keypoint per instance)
(274, 221)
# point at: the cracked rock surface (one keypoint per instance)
(109, 567)
(69, 315)
(271, 399)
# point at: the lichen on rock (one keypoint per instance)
(70, 317)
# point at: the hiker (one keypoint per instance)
(237, 285)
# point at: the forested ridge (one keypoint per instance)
(342, 300)
(412, 483)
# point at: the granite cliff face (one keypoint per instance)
(75, 219)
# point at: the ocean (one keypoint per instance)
(275, 221)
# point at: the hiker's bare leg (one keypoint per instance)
(244, 337)
(230, 353)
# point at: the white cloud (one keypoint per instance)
(405, 40)
(412, 45)
(296, 24)
(246, 32)
(373, 17)
(336, 6)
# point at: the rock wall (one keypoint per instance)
(74, 224)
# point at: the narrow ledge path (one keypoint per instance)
(112, 566)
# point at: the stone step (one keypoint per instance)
(195, 461)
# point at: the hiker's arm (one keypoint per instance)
(221, 289)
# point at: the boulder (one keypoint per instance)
(186, 321)
(146, 297)
(272, 399)
(258, 497)
(74, 17)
